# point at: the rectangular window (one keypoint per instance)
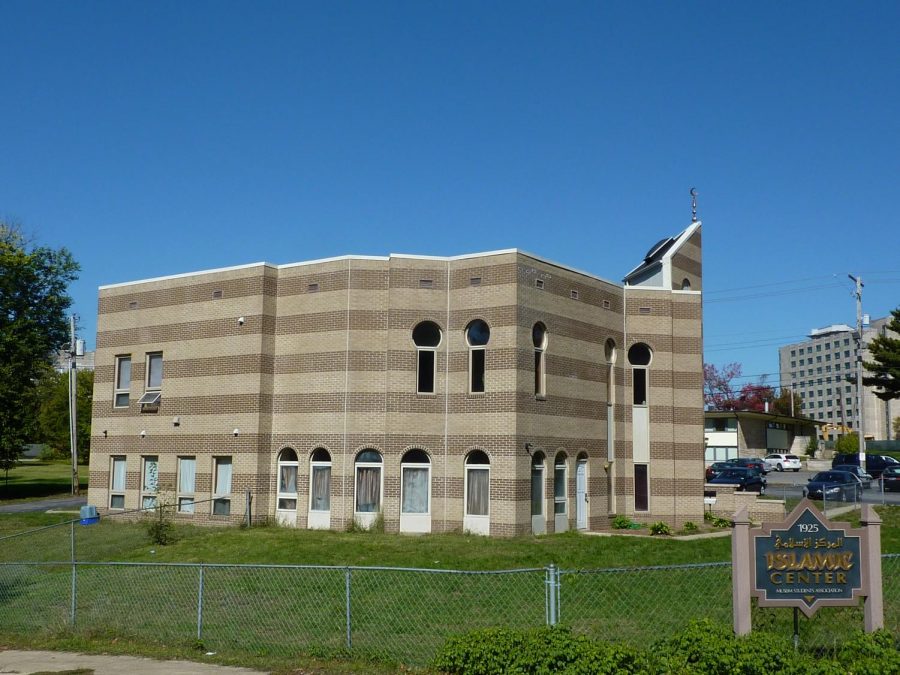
(123, 381)
(540, 378)
(426, 371)
(477, 491)
(222, 488)
(559, 489)
(415, 489)
(641, 488)
(368, 488)
(149, 481)
(154, 371)
(321, 494)
(117, 483)
(187, 476)
(476, 366)
(640, 386)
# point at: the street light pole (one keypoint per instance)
(73, 412)
(860, 415)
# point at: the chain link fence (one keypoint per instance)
(398, 614)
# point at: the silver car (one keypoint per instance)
(781, 462)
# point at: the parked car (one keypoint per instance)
(864, 478)
(751, 462)
(715, 469)
(875, 464)
(781, 462)
(833, 485)
(890, 479)
(746, 479)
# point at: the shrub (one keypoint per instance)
(660, 527)
(812, 446)
(716, 521)
(621, 523)
(540, 650)
(691, 526)
(160, 528)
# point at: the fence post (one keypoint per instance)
(200, 606)
(551, 595)
(74, 592)
(349, 615)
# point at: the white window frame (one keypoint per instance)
(118, 388)
(149, 491)
(117, 490)
(357, 465)
(313, 465)
(286, 495)
(415, 465)
(476, 523)
(222, 498)
(561, 503)
(185, 498)
(540, 361)
(147, 385)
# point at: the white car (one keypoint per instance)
(783, 462)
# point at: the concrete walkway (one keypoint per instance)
(26, 662)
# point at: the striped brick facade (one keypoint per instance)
(259, 359)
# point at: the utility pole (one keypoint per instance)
(860, 416)
(73, 393)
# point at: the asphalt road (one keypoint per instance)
(45, 505)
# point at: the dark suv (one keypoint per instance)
(875, 464)
(751, 463)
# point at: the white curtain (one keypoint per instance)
(118, 477)
(288, 480)
(223, 476)
(478, 491)
(187, 471)
(368, 488)
(321, 493)
(415, 489)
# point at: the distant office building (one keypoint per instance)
(823, 371)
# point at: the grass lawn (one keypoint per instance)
(40, 480)
(266, 616)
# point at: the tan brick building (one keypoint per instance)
(498, 393)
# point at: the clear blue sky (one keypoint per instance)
(165, 137)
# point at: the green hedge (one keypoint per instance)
(702, 648)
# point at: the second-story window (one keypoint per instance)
(123, 381)
(152, 382)
(477, 335)
(539, 339)
(427, 337)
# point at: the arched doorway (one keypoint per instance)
(286, 503)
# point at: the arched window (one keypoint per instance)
(639, 356)
(369, 481)
(478, 472)
(415, 488)
(320, 480)
(427, 337)
(539, 340)
(287, 480)
(685, 284)
(559, 484)
(477, 335)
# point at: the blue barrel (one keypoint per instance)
(89, 515)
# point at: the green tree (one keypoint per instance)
(885, 366)
(53, 415)
(782, 404)
(847, 444)
(33, 326)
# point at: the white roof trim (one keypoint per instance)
(466, 256)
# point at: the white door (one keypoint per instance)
(581, 495)
(538, 519)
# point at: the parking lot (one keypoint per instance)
(786, 484)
